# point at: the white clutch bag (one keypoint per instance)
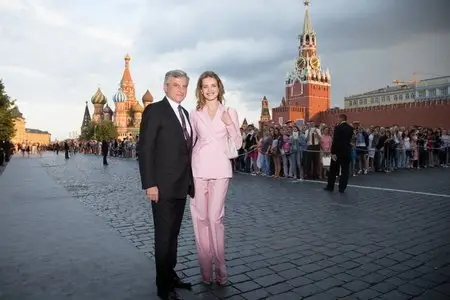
(231, 150)
(326, 161)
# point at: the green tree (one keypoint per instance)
(105, 130)
(7, 116)
(88, 133)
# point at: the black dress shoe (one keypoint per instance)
(169, 296)
(327, 189)
(180, 284)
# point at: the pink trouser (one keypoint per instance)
(208, 211)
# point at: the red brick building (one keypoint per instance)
(308, 87)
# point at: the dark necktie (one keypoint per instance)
(183, 123)
(313, 140)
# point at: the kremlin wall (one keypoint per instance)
(431, 114)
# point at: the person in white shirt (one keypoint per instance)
(313, 136)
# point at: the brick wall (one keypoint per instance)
(431, 114)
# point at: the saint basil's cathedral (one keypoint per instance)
(127, 112)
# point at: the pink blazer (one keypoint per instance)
(209, 160)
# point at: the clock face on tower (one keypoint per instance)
(301, 62)
(314, 62)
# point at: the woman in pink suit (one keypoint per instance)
(213, 124)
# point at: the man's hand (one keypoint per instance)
(333, 157)
(152, 194)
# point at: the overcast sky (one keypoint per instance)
(54, 54)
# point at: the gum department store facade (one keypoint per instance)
(307, 98)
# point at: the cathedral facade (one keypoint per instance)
(127, 113)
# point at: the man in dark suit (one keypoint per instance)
(105, 151)
(341, 152)
(165, 149)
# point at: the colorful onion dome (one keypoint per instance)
(98, 98)
(138, 108)
(107, 110)
(119, 96)
(147, 98)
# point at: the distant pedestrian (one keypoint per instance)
(105, 150)
(66, 150)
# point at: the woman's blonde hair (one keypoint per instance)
(198, 92)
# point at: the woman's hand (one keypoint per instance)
(226, 118)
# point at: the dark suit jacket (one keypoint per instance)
(105, 147)
(342, 138)
(164, 153)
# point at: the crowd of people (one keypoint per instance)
(303, 151)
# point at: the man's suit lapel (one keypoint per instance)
(173, 118)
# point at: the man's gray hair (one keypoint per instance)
(175, 74)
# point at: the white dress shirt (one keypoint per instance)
(174, 106)
(309, 133)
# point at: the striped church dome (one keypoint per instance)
(98, 98)
(119, 96)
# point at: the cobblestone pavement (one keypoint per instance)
(292, 240)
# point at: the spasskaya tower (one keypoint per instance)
(308, 86)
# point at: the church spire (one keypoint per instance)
(126, 77)
(127, 84)
(86, 118)
(307, 27)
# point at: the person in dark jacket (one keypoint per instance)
(66, 150)
(105, 150)
(341, 151)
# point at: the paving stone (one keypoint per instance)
(269, 280)
(284, 296)
(319, 275)
(239, 278)
(299, 281)
(259, 273)
(444, 289)
(432, 295)
(256, 294)
(410, 289)
(367, 294)
(307, 290)
(395, 295)
(338, 292)
(356, 285)
(384, 287)
(225, 292)
(279, 288)
(247, 286)
(328, 283)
